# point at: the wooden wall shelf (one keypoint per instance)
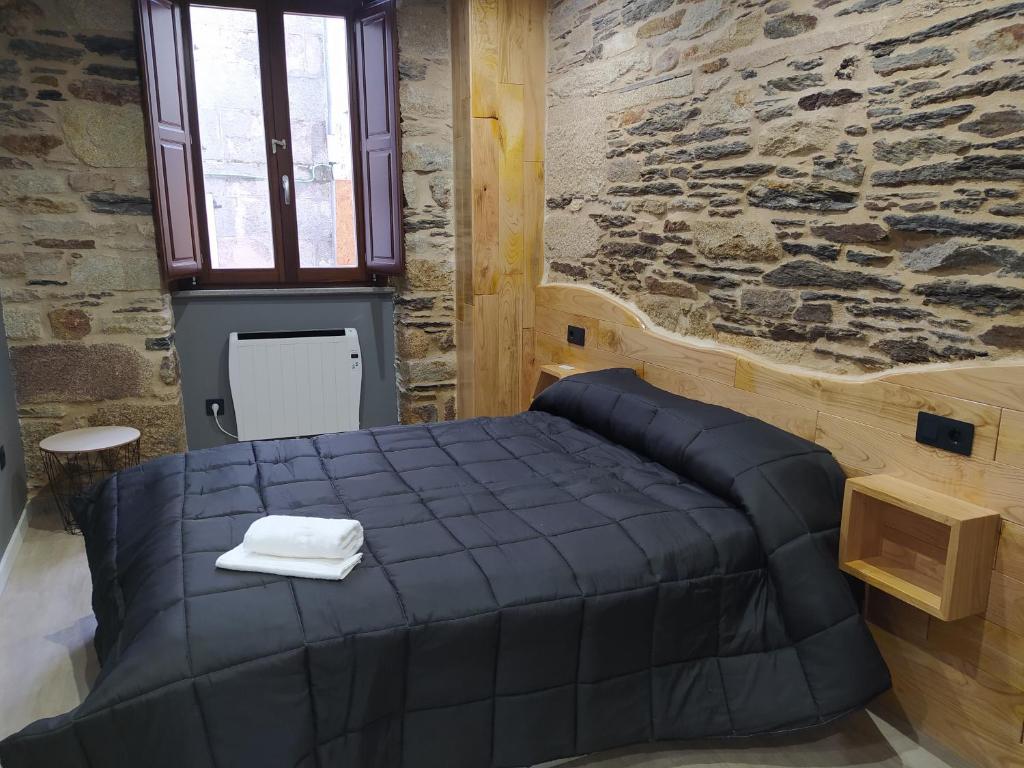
(549, 373)
(561, 370)
(928, 549)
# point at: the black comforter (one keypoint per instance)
(616, 566)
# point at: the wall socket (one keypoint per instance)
(215, 401)
(945, 433)
(576, 335)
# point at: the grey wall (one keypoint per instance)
(203, 321)
(13, 489)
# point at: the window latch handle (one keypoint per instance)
(286, 189)
(275, 143)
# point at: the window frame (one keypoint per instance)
(286, 271)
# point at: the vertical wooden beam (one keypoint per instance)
(499, 75)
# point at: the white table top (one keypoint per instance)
(89, 439)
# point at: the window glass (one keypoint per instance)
(316, 49)
(229, 97)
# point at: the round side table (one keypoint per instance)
(77, 460)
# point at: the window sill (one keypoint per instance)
(341, 290)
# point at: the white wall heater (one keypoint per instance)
(292, 383)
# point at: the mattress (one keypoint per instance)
(617, 565)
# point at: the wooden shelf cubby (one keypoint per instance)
(928, 549)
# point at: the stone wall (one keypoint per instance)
(88, 323)
(425, 302)
(834, 183)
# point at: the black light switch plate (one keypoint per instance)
(947, 434)
(577, 336)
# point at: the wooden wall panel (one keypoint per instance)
(551, 349)
(533, 237)
(999, 384)
(499, 71)
(881, 404)
(1010, 449)
(974, 713)
(799, 421)
(482, 32)
(582, 300)
(510, 177)
(1010, 552)
(513, 19)
(960, 682)
(535, 73)
(486, 259)
(871, 451)
(659, 350)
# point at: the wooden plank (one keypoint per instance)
(874, 402)
(978, 643)
(533, 236)
(1010, 550)
(485, 354)
(1000, 384)
(669, 353)
(798, 421)
(459, 37)
(510, 178)
(1006, 603)
(550, 349)
(583, 300)
(486, 259)
(483, 57)
(909, 496)
(972, 553)
(1010, 448)
(555, 322)
(513, 19)
(866, 450)
(535, 107)
(510, 347)
(561, 370)
(976, 715)
(897, 617)
(528, 371)
(466, 378)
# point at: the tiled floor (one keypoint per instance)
(47, 664)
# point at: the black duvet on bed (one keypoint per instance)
(617, 565)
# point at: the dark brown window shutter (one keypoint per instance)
(377, 83)
(172, 174)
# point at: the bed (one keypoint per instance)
(616, 565)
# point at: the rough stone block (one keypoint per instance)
(79, 372)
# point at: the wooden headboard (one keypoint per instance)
(961, 682)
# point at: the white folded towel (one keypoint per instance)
(305, 537)
(241, 559)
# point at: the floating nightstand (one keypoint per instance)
(552, 372)
(561, 370)
(928, 549)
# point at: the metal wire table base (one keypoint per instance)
(71, 475)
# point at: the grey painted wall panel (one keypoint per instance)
(13, 488)
(203, 322)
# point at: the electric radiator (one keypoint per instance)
(293, 383)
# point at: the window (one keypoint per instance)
(273, 139)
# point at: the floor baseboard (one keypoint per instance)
(11, 552)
